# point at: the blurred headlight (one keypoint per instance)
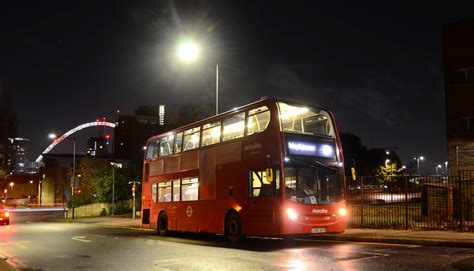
(342, 211)
(291, 213)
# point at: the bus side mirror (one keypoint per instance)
(269, 173)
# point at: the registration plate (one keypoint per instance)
(318, 230)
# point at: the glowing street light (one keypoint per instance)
(387, 161)
(52, 136)
(418, 159)
(438, 167)
(188, 51)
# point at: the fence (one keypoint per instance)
(413, 202)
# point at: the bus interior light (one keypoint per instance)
(291, 213)
(293, 111)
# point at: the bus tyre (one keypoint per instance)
(233, 228)
(162, 224)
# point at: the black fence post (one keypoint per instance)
(406, 203)
(361, 201)
(460, 200)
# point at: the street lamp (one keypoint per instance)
(437, 167)
(387, 161)
(446, 168)
(114, 165)
(188, 51)
(73, 178)
(418, 163)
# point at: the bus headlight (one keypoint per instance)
(342, 211)
(7, 214)
(291, 213)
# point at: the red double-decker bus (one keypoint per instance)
(269, 168)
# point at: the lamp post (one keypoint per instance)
(114, 165)
(438, 167)
(188, 51)
(418, 163)
(446, 168)
(73, 178)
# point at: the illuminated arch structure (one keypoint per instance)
(72, 131)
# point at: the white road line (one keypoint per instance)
(360, 243)
(81, 238)
(96, 235)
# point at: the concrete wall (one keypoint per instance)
(91, 210)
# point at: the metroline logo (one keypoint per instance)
(320, 211)
(252, 147)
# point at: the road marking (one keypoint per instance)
(81, 238)
(360, 243)
(124, 227)
(366, 258)
(96, 235)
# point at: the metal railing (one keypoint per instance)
(412, 202)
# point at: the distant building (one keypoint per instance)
(97, 147)
(17, 156)
(132, 131)
(458, 43)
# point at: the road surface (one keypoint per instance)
(79, 246)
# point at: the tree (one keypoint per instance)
(367, 161)
(103, 185)
(389, 170)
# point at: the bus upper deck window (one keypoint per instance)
(258, 120)
(166, 145)
(234, 126)
(178, 143)
(191, 138)
(211, 133)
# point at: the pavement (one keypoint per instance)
(410, 237)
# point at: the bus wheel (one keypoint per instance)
(162, 224)
(233, 227)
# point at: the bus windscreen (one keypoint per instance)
(305, 120)
(313, 185)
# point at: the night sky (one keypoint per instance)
(376, 65)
